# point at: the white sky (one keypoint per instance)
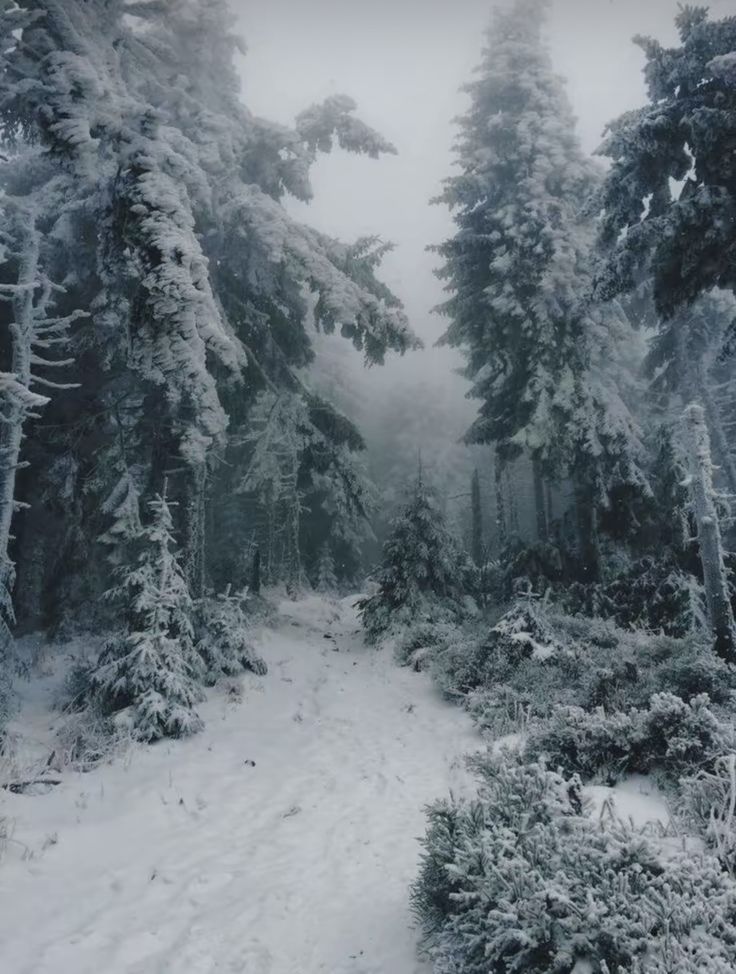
(403, 61)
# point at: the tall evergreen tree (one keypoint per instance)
(153, 671)
(670, 194)
(518, 270)
(198, 283)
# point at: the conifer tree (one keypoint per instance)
(123, 505)
(518, 270)
(326, 579)
(423, 569)
(670, 194)
(224, 641)
(153, 670)
(199, 283)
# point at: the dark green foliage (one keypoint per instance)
(424, 573)
(150, 674)
(521, 881)
(652, 594)
(684, 237)
(535, 658)
(670, 736)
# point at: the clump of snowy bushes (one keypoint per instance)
(669, 736)
(521, 879)
(651, 593)
(537, 657)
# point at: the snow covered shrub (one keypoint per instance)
(523, 634)
(670, 736)
(652, 594)
(224, 641)
(522, 881)
(85, 739)
(708, 802)
(537, 567)
(419, 644)
(423, 574)
(150, 676)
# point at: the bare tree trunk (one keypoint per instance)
(587, 530)
(722, 453)
(501, 522)
(255, 573)
(550, 507)
(476, 513)
(513, 507)
(717, 596)
(15, 410)
(194, 529)
(539, 502)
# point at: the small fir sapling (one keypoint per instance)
(224, 641)
(152, 671)
(423, 571)
(326, 579)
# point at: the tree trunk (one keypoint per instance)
(476, 513)
(587, 531)
(539, 502)
(255, 574)
(550, 508)
(22, 332)
(194, 519)
(721, 450)
(501, 525)
(717, 596)
(513, 507)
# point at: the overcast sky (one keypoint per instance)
(403, 61)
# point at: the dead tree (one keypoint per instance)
(720, 612)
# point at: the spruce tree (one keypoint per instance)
(152, 671)
(670, 194)
(168, 227)
(326, 579)
(423, 572)
(519, 271)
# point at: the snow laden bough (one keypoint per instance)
(521, 880)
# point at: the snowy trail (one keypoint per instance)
(187, 859)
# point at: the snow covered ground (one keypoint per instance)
(281, 840)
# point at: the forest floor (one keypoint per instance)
(281, 840)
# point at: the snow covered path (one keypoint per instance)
(189, 859)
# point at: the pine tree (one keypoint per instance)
(681, 236)
(519, 270)
(224, 641)
(326, 579)
(123, 505)
(194, 273)
(423, 570)
(153, 671)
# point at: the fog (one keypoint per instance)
(404, 62)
